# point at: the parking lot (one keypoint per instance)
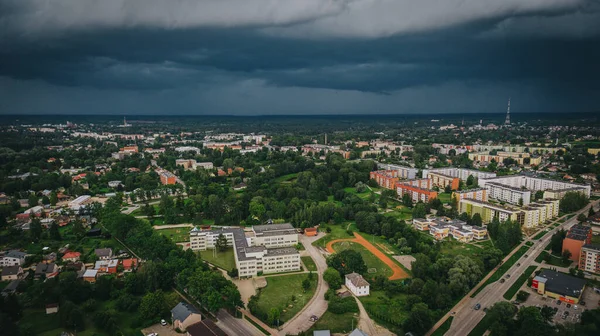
(563, 311)
(160, 330)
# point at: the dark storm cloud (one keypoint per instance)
(328, 50)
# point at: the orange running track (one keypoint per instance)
(398, 274)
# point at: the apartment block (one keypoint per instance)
(535, 183)
(460, 173)
(418, 190)
(489, 211)
(193, 165)
(506, 193)
(442, 227)
(406, 173)
(385, 178)
(264, 248)
(442, 180)
(589, 259)
(520, 158)
(167, 177)
(479, 194)
(577, 236)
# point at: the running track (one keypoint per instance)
(398, 274)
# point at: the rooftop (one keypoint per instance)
(357, 280)
(182, 310)
(561, 283)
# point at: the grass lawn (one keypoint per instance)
(554, 260)
(503, 268)
(454, 248)
(444, 327)
(177, 235)
(481, 327)
(529, 244)
(371, 260)
(403, 213)
(279, 291)
(330, 199)
(520, 281)
(286, 178)
(337, 232)
(488, 243)
(363, 195)
(596, 239)
(224, 259)
(540, 235)
(445, 197)
(309, 263)
(39, 321)
(335, 323)
(389, 312)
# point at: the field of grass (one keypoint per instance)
(335, 323)
(177, 235)
(309, 263)
(371, 260)
(443, 328)
(337, 232)
(403, 213)
(445, 197)
(279, 291)
(389, 312)
(503, 268)
(224, 259)
(488, 243)
(364, 194)
(540, 235)
(39, 321)
(596, 240)
(520, 281)
(453, 248)
(286, 178)
(554, 260)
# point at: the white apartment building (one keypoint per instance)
(191, 164)
(479, 194)
(461, 173)
(79, 202)
(357, 284)
(589, 259)
(403, 172)
(506, 193)
(13, 258)
(535, 183)
(266, 248)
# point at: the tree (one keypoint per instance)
(538, 195)
(407, 200)
(556, 241)
(152, 305)
(447, 189)
(566, 255)
(547, 313)
(419, 210)
(221, 243)
(360, 187)
(32, 200)
(333, 278)
(476, 220)
(78, 230)
(35, 230)
(45, 200)
(347, 261)
(573, 201)
(581, 218)
(53, 198)
(591, 212)
(306, 284)
(54, 232)
(501, 317)
(419, 320)
(273, 316)
(491, 257)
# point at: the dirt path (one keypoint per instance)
(398, 274)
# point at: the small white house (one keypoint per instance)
(357, 284)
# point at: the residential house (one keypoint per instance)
(90, 275)
(104, 253)
(310, 232)
(107, 266)
(11, 273)
(48, 270)
(51, 308)
(13, 258)
(357, 284)
(129, 264)
(184, 315)
(71, 256)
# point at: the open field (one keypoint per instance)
(337, 232)
(279, 291)
(503, 268)
(520, 281)
(445, 197)
(372, 256)
(389, 312)
(453, 248)
(403, 213)
(177, 235)
(335, 323)
(286, 178)
(375, 265)
(224, 259)
(309, 263)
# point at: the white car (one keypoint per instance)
(163, 322)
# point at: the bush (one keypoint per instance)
(342, 305)
(522, 296)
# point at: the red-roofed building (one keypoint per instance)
(129, 264)
(310, 232)
(71, 256)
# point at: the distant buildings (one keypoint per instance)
(166, 178)
(577, 236)
(589, 258)
(13, 258)
(528, 216)
(553, 187)
(418, 190)
(80, 202)
(479, 194)
(385, 178)
(407, 173)
(357, 284)
(441, 227)
(190, 164)
(506, 193)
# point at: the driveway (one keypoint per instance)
(317, 305)
(160, 330)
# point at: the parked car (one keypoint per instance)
(163, 322)
(501, 280)
(526, 256)
(575, 307)
(313, 318)
(508, 276)
(568, 305)
(477, 306)
(518, 264)
(558, 302)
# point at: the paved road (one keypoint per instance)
(466, 318)
(317, 305)
(233, 326)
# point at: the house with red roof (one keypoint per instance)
(71, 256)
(129, 264)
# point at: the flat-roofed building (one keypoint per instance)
(407, 173)
(508, 194)
(589, 258)
(385, 178)
(418, 190)
(442, 180)
(559, 286)
(167, 178)
(577, 236)
(479, 194)
(442, 227)
(551, 188)
(489, 211)
(460, 173)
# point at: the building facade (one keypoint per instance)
(536, 184)
(508, 194)
(589, 258)
(407, 173)
(559, 286)
(577, 236)
(442, 227)
(357, 284)
(418, 190)
(385, 178)
(167, 178)
(479, 194)
(442, 180)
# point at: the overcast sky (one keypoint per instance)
(262, 57)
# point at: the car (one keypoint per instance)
(485, 309)
(477, 306)
(568, 305)
(558, 302)
(526, 256)
(582, 303)
(508, 276)
(152, 334)
(567, 313)
(501, 280)
(518, 264)
(163, 322)
(575, 307)
(313, 318)
(516, 302)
